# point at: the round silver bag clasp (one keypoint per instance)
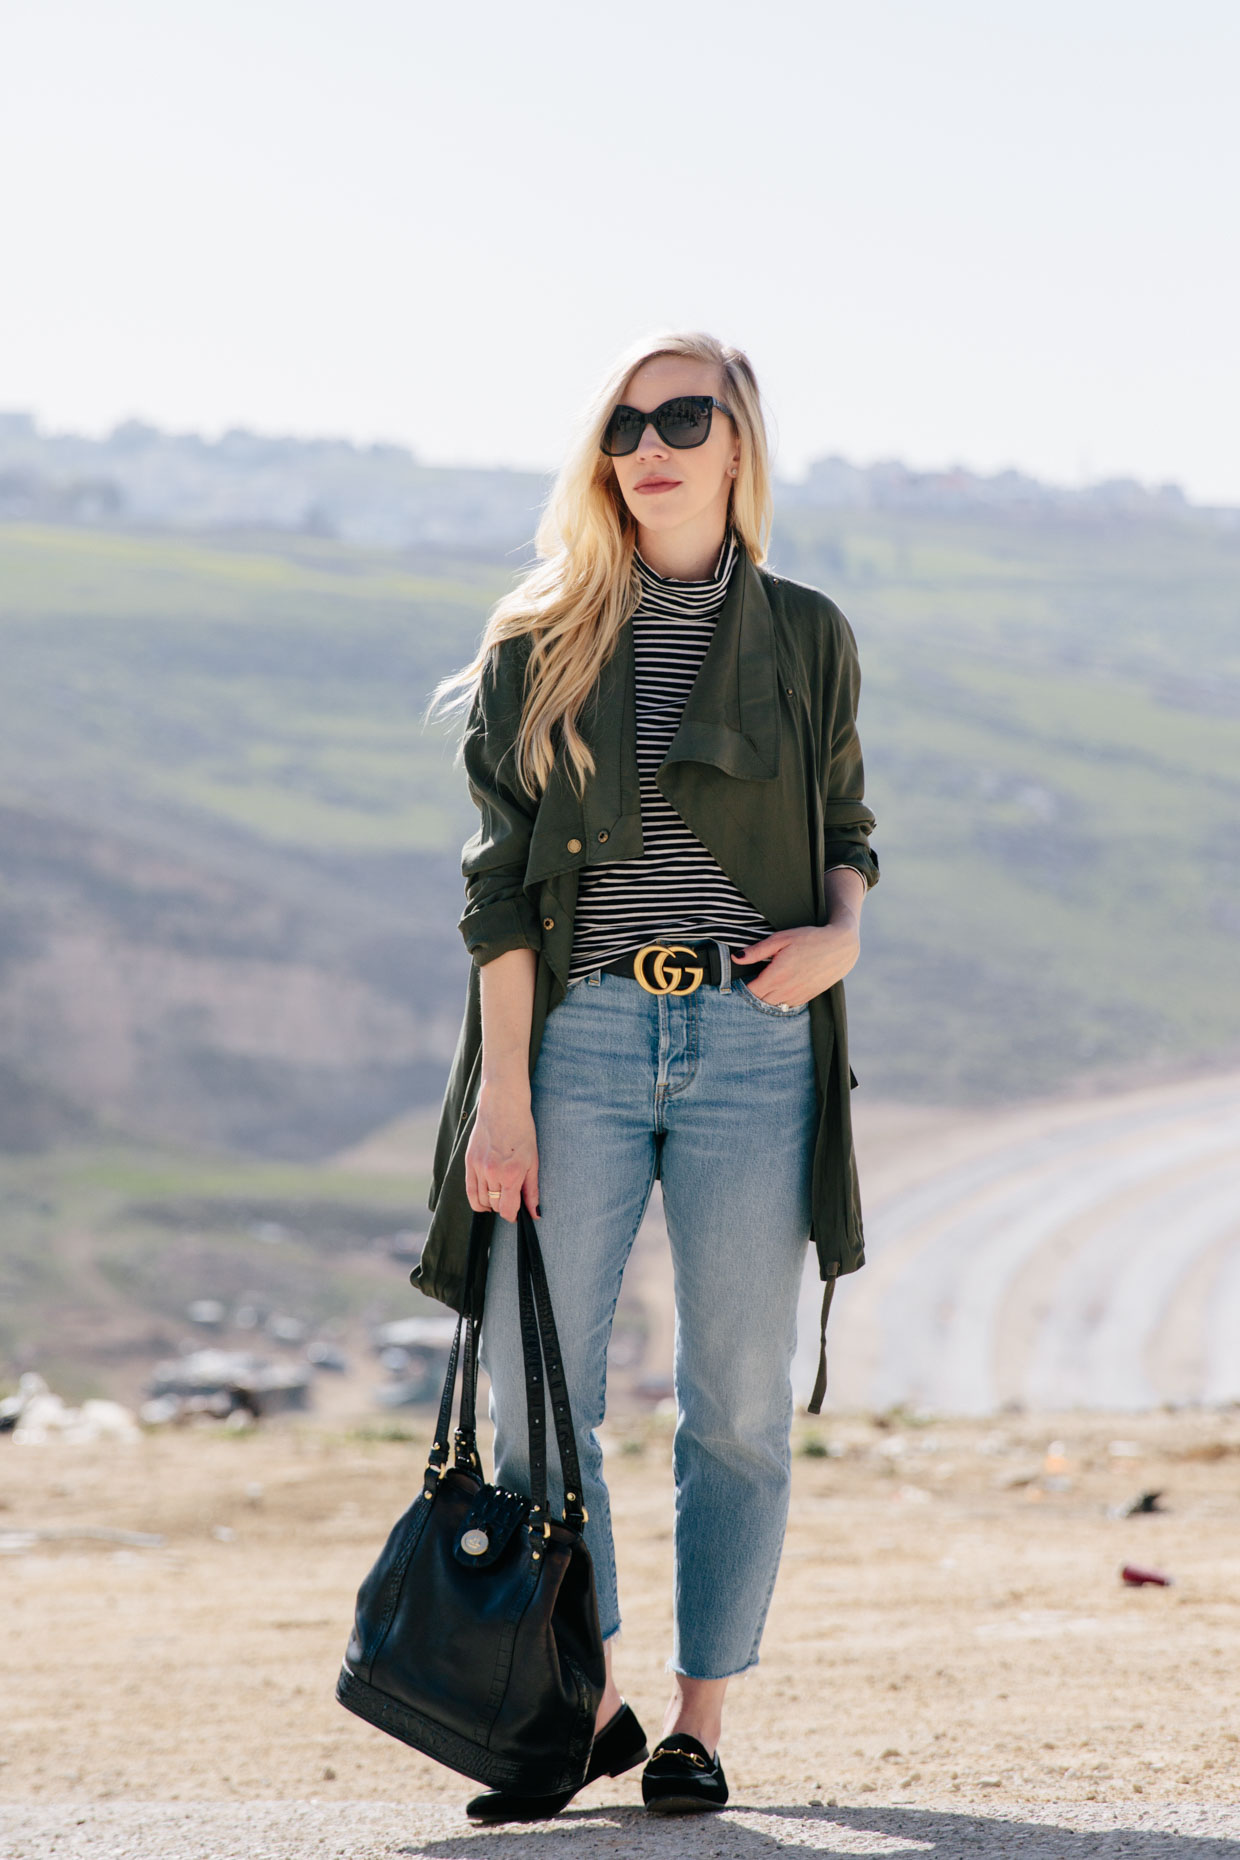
(475, 1542)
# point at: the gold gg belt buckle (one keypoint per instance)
(665, 980)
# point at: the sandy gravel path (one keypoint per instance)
(385, 1831)
(950, 1649)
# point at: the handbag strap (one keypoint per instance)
(438, 1456)
(535, 1405)
(466, 1441)
(540, 1343)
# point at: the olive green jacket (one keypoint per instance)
(765, 769)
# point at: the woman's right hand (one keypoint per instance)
(502, 1154)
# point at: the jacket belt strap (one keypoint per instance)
(820, 1381)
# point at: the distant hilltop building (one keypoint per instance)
(385, 497)
(832, 483)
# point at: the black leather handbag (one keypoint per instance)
(476, 1637)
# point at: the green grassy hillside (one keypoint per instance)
(1049, 715)
(1051, 721)
(105, 1244)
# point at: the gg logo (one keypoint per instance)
(665, 979)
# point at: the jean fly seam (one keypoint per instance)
(691, 1050)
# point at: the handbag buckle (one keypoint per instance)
(665, 981)
(466, 1452)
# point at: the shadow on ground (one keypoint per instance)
(760, 1833)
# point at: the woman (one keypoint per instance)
(662, 900)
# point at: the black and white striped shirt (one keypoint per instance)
(676, 889)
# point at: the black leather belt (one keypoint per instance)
(678, 968)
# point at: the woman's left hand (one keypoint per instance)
(801, 963)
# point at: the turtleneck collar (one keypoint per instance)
(713, 584)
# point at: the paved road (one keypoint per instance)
(1078, 1254)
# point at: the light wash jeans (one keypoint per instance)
(723, 1085)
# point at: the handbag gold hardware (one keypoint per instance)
(667, 980)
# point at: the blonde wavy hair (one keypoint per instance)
(584, 585)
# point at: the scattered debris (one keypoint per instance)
(35, 1416)
(11, 1407)
(12, 1542)
(1137, 1578)
(1210, 1450)
(326, 1355)
(1144, 1502)
(1014, 1479)
(282, 1328)
(245, 1382)
(207, 1313)
(414, 1351)
(422, 1332)
(418, 1390)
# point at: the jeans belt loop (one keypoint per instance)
(725, 967)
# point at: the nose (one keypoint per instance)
(650, 431)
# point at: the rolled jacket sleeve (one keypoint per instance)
(499, 914)
(847, 821)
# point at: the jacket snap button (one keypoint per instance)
(548, 923)
(574, 846)
(604, 835)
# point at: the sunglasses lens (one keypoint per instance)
(623, 431)
(685, 422)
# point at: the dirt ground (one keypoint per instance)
(949, 1628)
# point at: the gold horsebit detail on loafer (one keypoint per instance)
(690, 1756)
(665, 982)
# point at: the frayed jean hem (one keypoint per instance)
(737, 1672)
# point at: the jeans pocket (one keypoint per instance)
(768, 1007)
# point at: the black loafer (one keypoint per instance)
(682, 1778)
(616, 1748)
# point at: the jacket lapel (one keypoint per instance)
(730, 722)
(731, 716)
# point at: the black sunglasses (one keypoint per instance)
(682, 422)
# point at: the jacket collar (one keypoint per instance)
(730, 721)
(731, 715)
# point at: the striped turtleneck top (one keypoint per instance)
(676, 889)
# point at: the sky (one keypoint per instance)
(953, 232)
